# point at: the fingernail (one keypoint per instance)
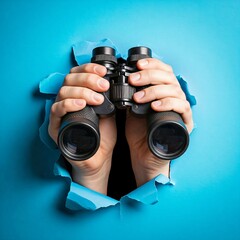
(79, 102)
(135, 77)
(103, 83)
(139, 94)
(97, 97)
(100, 70)
(157, 103)
(143, 62)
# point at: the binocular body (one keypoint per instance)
(79, 136)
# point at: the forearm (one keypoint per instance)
(96, 180)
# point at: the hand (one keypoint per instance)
(165, 94)
(82, 87)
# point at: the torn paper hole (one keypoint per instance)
(80, 197)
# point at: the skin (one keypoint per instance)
(83, 85)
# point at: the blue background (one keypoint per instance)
(200, 39)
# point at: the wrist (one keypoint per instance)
(149, 168)
(93, 178)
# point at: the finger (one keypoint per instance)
(58, 110)
(90, 68)
(177, 105)
(88, 80)
(91, 97)
(158, 92)
(153, 77)
(153, 63)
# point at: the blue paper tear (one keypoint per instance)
(80, 197)
(151, 195)
(190, 98)
(52, 83)
(82, 51)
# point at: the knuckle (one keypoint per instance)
(171, 76)
(88, 67)
(154, 61)
(53, 109)
(147, 75)
(62, 92)
(66, 104)
(88, 78)
(83, 92)
(156, 93)
(178, 91)
(169, 68)
(73, 70)
(153, 92)
(175, 89)
(187, 106)
(167, 103)
(67, 79)
(183, 94)
(85, 67)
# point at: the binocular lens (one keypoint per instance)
(79, 136)
(79, 142)
(104, 51)
(168, 141)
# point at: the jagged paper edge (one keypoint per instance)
(80, 197)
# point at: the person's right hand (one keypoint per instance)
(82, 87)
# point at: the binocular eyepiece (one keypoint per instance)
(79, 136)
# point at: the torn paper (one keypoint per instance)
(80, 197)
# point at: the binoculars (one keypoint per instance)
(79, 136)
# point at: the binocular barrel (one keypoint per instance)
(79, 136)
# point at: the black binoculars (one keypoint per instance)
(79, 136)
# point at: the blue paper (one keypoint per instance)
(80, 197)
(83, 50)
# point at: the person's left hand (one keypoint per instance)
(165, 94)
